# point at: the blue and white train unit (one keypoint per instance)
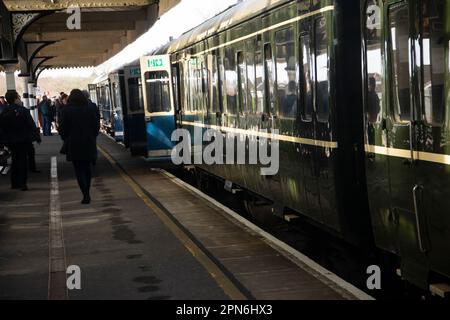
(159, 106)
(141, 117)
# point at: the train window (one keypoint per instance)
(306, 106)
(315, 4)
(117, 96)
(242, 82)
(374, 64)
(188, 83)
(93, 93)
(222, 82)
(205, 86)
(215, 84)
(286, 73)
(106, 103)
(434, 61)
(202, 79)
(184, 75)
(99, 96)
(269, 78)
(194, 84)
(198, 87)
(108, 96)
(135, 101)
(259, 82)
(113, 97)
(158, 91)
(175, 85)
(230, 80)
(322, 72)
(251, 75)
(304, 6)
(400, 48)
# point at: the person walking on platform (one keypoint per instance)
(61, 104)
(79, 128)
(17, 130)
(44, 108)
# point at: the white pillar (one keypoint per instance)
(10, 76)
(25, 98)
(32, 103)
(10, 80)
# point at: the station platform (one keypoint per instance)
(145, 236)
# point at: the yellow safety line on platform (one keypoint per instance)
(222, 280)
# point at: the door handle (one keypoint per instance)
(421, 231)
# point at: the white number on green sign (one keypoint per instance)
(154, 63)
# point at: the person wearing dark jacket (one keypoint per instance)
(17, 130)
(45, 110)
(79, 128)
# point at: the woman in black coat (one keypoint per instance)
(79, 128)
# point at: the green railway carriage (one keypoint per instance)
(357, 91)
(277, 65)
(407, 83)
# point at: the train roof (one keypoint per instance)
(233, 16)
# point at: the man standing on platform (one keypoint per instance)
(17, 130)
(45, 110)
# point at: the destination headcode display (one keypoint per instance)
(135, 72)
(155, 63)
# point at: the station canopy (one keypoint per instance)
(105, 28)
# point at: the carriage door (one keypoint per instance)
(135, 112)
(401, 127)
(177, 94)
(432, 169)
(306, 122)
(158, 100)
(117, 120)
